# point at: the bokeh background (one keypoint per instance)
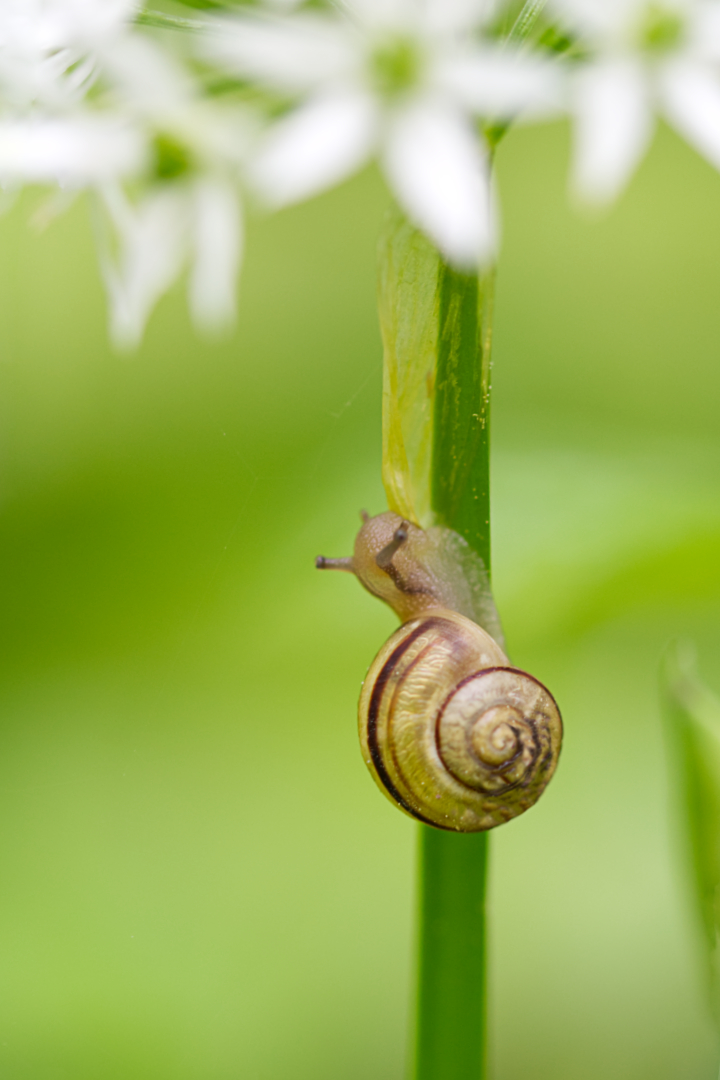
(198, 879)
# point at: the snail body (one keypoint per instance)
(452, 734)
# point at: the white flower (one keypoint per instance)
(147, 124)
(186, 211)
(403, 78)
(644, 57)
(196, 221)
(47, 48)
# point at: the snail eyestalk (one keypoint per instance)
(385, 557)
(321, 563)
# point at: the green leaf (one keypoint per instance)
(408, 305)
(693, 721)
(435, 324)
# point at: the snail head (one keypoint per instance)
(393, 560)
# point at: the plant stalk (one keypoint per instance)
(450, 1042)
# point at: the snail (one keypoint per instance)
(452, 734)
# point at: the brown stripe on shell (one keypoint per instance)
(379, 687)
(407, 673)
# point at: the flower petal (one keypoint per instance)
(385, 15)
(439, 171)
(691, 99)
(607, 21)
(152, 239)
(458, 16)
(613, 126)
(422, 17)
(319, 144)
(72, 151)
(292, 53)
(51, 25)
(501, 83)
(704, 31)
(90, 22)
(217, 242)
(148, 77)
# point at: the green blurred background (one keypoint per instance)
(199, 880)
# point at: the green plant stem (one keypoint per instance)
(450, 1040)
(450, 1030)
(461, 460)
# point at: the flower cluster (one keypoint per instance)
(168, 121)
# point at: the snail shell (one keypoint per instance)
(452, 734)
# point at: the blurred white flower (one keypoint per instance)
(643, 57)
(47, 48)
(150, 86)
(196, 221)
(146, 126)
(403, 78)
(185, 209)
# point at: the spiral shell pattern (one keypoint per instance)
(452, 735)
